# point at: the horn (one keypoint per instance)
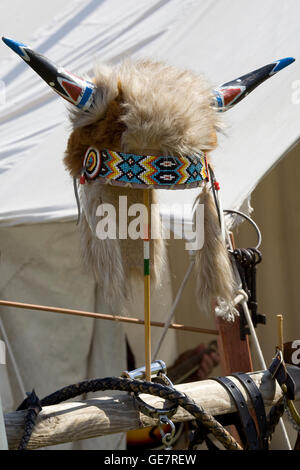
(76, 90)
(230, 93)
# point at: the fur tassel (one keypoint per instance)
(215, 281)
(102, 258)
(113, 262)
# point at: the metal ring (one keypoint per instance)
(259, 238)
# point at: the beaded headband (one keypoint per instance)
(144, 171)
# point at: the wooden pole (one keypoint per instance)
(104, 316)
(147, 232)
(73, 421)
(280, 331)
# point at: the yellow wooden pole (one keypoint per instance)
(280, 331)
(147, 231)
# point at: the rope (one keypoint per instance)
(34, 407)
(128, 385)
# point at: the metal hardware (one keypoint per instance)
(140, 373)
(167, 438)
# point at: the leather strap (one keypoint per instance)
(258, 405)
(279, 372)
(249, 432)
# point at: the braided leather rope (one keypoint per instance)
(33, 409)
(135, 386)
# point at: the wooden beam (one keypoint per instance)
(72, 421)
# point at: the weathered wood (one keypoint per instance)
(72, 421)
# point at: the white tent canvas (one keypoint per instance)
(38, 236)
(178, 32)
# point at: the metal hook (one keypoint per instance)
(167, 438)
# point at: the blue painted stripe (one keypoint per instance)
(282, 63)
(85, 97)
(219, 99)
(16, 46)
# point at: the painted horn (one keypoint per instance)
(230, 93)
(76, 90)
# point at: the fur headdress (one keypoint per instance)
(139, 111)
(145, 108)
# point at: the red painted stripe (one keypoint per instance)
(73, 90)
